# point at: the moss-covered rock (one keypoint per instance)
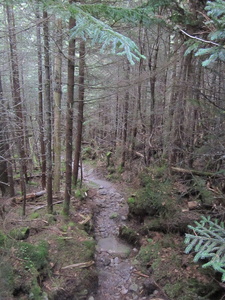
(154, 198)
(129, 235)
(21, 233)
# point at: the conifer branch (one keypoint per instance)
(208, 242)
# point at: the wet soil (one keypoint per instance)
(118, 276)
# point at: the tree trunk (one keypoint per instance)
(16, 89)
(77, 154)
(40, 104)
(125, 120)
(57, 108)
(4, 186)
(69, 121)
(48, 109)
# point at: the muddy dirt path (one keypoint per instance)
(118, 277)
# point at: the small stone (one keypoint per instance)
(101, 187)
(149, 286)
(91, 298)
(124, 291)
(155, 292)
(106, 261)
(135, 249)
(103, 193)
(123, 218)
(133, 287)
(116, 260)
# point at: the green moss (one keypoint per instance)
(34, 256)
(35, 291)
(129, 235)
(113, 216)
(34, 215)
(90, 248)
(154, 198)
(51, 219)
(131, 200)
(21, 233)
(81, 193)
(6, 278)
(2, 239)
(148, 253)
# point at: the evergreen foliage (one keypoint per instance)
(216, 13)
(208, 241)
(90, 26)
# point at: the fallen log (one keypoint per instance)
(30, 196)
(196, 172)
(45, 205)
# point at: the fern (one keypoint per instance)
(208, 242)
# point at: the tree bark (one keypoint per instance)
(125, 121)
(40, 103)
(69, 121)
(4, 185)
(77, 154)
(57, 108)
(48, 114)
(16, 92)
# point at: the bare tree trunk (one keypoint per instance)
(4, 186)
(125, 120)
(17, 100)
(48, 114)
(77, 154)
(57, 109)
(40, 104)
(69, 121)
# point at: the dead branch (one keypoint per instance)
(140, 274)
(45, 205)
(80, 265)
(85, 219)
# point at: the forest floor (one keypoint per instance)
(105, 250)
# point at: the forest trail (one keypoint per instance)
(118, 277)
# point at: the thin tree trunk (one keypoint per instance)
(48, 114)
(77, 156)
(69, 121)
(4, 186)
(40, 104)
(57, 109)
(125, 120)
(16, 90)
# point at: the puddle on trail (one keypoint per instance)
(113, 247)
(118, 278)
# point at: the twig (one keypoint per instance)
(140, 274)
(80, 265)
(199, 39)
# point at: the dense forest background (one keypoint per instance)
(65, 94)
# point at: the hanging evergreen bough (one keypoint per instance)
(208, 241)
(88, 26)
